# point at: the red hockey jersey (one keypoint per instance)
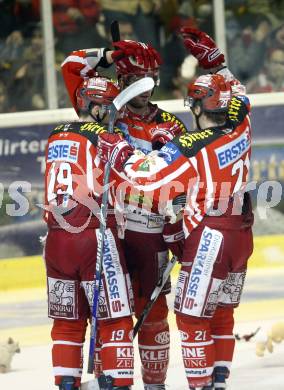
(208, 167)
(74, 176)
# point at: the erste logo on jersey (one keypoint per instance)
(63, 150)
(231, 152)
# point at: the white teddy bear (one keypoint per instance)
(7, 351)
(265, 342)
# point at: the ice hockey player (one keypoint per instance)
(210, 165)
(145, 126)
(73, 190)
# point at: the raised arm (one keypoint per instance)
(210, 58)
(83, 64)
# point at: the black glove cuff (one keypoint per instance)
(103, 61)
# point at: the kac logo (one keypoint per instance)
(163, 338)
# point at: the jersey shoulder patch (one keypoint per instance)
(89, 130)
(190, 144)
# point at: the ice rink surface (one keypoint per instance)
(23, 317)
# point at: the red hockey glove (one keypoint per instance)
(163, 133)
(114, 149)
(145, 55)
(202, 47)
(174, 238)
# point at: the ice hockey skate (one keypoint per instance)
(68, 383)
(220, 375)
(210, 387)
(106, 383)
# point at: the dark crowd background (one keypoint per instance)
(254, 33)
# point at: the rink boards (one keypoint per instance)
(29, 272)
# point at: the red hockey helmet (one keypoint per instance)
(128, 66)
(97, 90)
(212, 90)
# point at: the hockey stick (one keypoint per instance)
(135, 89)
(156, 292)
(114, 30)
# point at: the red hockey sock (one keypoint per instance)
(67, 351)
(222, 325)
(117, 350)
(197, 349)
(154, 342)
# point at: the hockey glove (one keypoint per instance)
(202, 47)
(163, 133)
(114, 149)
(174, 238)
(144, 55)
(237, 111)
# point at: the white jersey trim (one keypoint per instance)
(154, 348)
(164, 180)
(89, 164)
(63, 342)
(62, 371)
(209, 182)
(184, 344)
(223, 363)
(117, 345)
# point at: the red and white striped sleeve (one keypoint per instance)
(79, 65)
(161, 175)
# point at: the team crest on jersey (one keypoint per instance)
(63, 150)
(163, 338)
(183, 335)
(234, 150)
(144, 166)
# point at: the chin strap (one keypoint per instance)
(197, 119)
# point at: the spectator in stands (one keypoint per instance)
(11, 51)
(186, 73)
(63, 98)
(18, 15)
(13, 47)
(3, 98)
(143, 15)
(277, 37)
(127, 31)
(28, 82)
(7, 18)
(246, 44)
(271, 77)
(75, 23)
(126, 28)
(173, 50)
(27, 15)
